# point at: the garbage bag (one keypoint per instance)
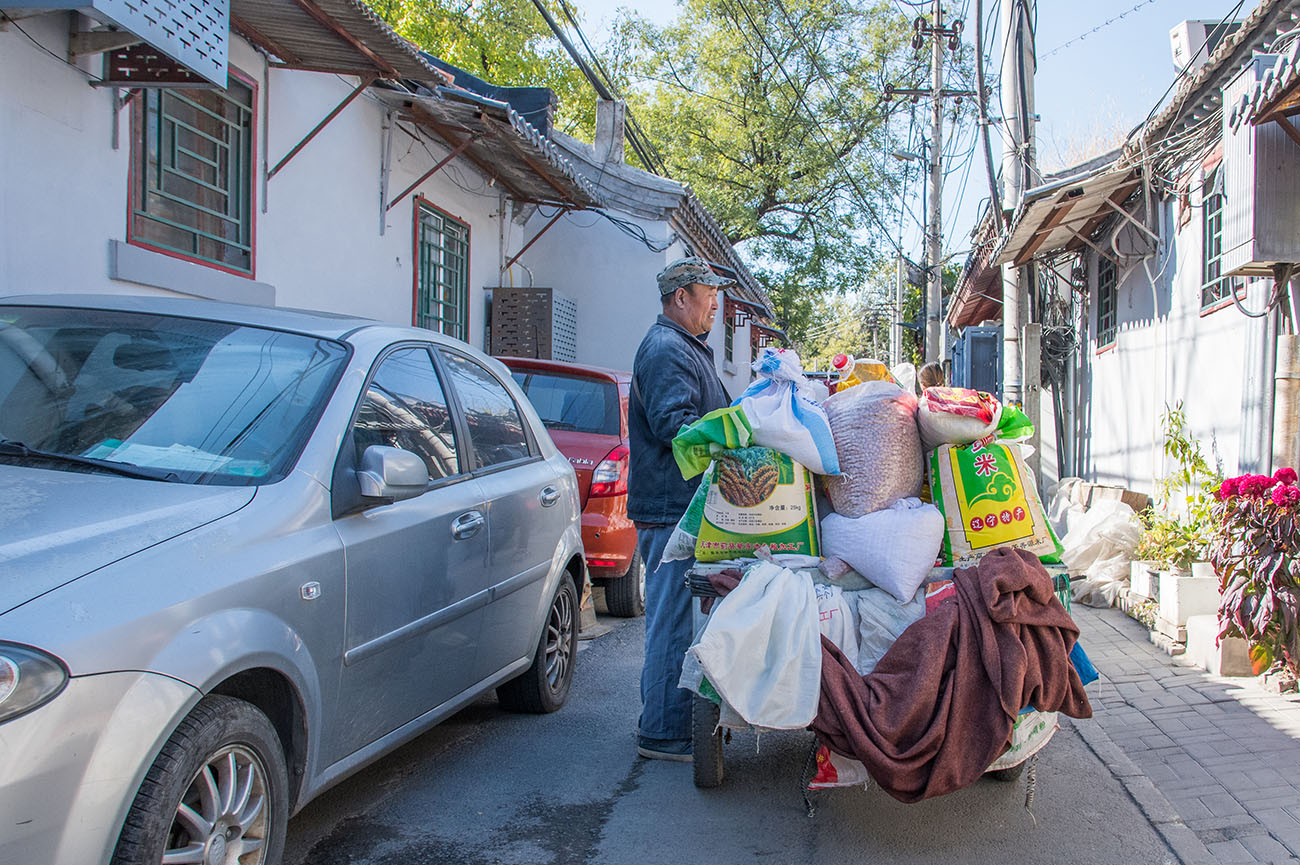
(761, 648)
(1100, 547)
(784, 416)
(695, 444)
(879, 448)
(894, 548)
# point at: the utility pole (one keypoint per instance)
(1017, 168)
(934, 221)
(1021, 345)
(938, 34)
(896, 322)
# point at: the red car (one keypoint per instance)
(585, 411)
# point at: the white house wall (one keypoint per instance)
(317, 244)
(1167, 351)
(611, 277)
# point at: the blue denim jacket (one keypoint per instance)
(674, 383)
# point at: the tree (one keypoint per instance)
(505, 42)
(771, 111)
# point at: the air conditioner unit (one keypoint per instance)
(1261, 183)
(194, 33)
(1187, 37)
(977, 359)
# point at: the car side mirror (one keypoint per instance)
(392, 473)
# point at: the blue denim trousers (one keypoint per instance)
(665, 708)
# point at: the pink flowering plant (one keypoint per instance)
(1256, 550)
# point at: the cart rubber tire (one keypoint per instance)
(706, 743)
(1011, 773)
(625, 595)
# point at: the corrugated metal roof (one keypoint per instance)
(342, 36)
(1055, 217)
(528, 165)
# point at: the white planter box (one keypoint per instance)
(1231, 657)
(1182, 596)
(1144, 580)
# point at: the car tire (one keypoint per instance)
(625, 595)
(227, 747)
(544, 686)
(706, 743)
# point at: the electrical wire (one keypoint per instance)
(1105, 23)
(94, 79)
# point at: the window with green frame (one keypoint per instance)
(442, 278)
(192, 167)
(1107, 305)
(1215, 288)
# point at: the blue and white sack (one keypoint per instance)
(784, 417)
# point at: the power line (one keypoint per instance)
(1105, 23)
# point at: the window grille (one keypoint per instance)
(1215, 288)
(728, 339)
(193, 157)
(1107, 306)
(442, 256)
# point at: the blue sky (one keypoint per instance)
(1089, 91)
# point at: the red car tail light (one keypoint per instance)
(610, 477)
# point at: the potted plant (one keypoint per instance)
(1256, 551)
(1177, 535)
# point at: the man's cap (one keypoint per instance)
(688, 271)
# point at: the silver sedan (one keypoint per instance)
(244, 552)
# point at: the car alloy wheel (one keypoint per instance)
(222, 819)
(559, 641)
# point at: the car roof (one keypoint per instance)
(582, 369)
(329, 325)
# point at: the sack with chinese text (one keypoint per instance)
(956, 415)
(757, 497)
(988, 501)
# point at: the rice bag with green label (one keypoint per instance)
(757, 497)
(987, 502)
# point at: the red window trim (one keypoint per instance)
(416, 201)
(133, 192)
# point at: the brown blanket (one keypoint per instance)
(939, 707)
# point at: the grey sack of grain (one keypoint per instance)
(879, 447)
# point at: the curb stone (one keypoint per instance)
(1154, 806)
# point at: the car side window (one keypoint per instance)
(406, 407)
(496, 427)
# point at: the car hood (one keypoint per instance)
(57, 526)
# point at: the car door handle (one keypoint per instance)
(466, 525)
(549, 496)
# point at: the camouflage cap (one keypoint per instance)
(688, 271)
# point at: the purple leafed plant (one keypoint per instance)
(1256, 550)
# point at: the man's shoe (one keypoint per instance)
(664, 749)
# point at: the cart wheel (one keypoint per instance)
(706, 743)
(1011, 773)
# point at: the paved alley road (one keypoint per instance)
(490, 787)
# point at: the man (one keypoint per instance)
(673, 384)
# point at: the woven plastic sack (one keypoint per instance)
(879, 448)
(838, 619)
(783, 415)
(894, 547)
(681, 543)
(757, 497)
(720, 429)
(956, 415)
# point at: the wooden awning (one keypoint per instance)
(339, 36)
(1062, 216)
(504, 146)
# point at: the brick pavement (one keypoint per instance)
(1213, 762)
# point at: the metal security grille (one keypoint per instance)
(194, 162)
(443, 260)
(1215, 288)
(1107, 319)
(728, 339)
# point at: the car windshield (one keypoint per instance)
(174, 398)
(572, 402)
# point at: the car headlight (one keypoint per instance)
(29, 678)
